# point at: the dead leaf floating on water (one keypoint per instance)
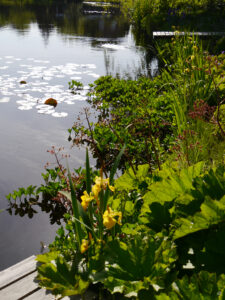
(51, 102)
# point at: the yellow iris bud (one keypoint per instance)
(84, 246)
(109, 218)
(95, 191)
(86, 199)
(112, 188)
(192, 57)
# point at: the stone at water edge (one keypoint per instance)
(51, 102)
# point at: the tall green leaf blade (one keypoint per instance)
(88, 175)
(75, 210)
(115, 165)
(86, 221)
(111, 176)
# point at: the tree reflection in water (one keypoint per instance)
(72, 18)
(55, 207)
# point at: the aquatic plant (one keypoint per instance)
(75, 86)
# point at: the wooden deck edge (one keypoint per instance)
(17, 271)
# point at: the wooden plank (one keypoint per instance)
(20, 288)
(13, 273)
(41, 295)
(17, 283)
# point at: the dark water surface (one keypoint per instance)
(47, 47)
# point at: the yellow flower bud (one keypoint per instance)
(112, 188)
(84, 246)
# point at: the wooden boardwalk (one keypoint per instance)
(182, 33)
(17, 283)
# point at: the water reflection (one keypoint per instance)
(70, 19)
(29, 206)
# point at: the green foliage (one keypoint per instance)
(191, 15)
(62, 276)
(170, 243)
(200, 286)
(192, 74)
(59, 277)
(130, 113)
(157, 231)
(174, 112)
(219, 118)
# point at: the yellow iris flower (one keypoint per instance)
(109, 218)
(86, 199)
(84, 246)
(103, 183)
(100, 184)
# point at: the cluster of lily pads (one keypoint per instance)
(34, 81)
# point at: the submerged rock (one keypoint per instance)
(51, 102)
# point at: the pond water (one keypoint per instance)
(46, 47)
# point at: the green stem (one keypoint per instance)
(100, 294)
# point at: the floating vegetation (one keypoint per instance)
(36, 80)
(4, 100)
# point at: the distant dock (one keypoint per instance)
(183, 33)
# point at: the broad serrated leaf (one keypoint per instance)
(212, 213)
(138, 264)
(174, 185)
